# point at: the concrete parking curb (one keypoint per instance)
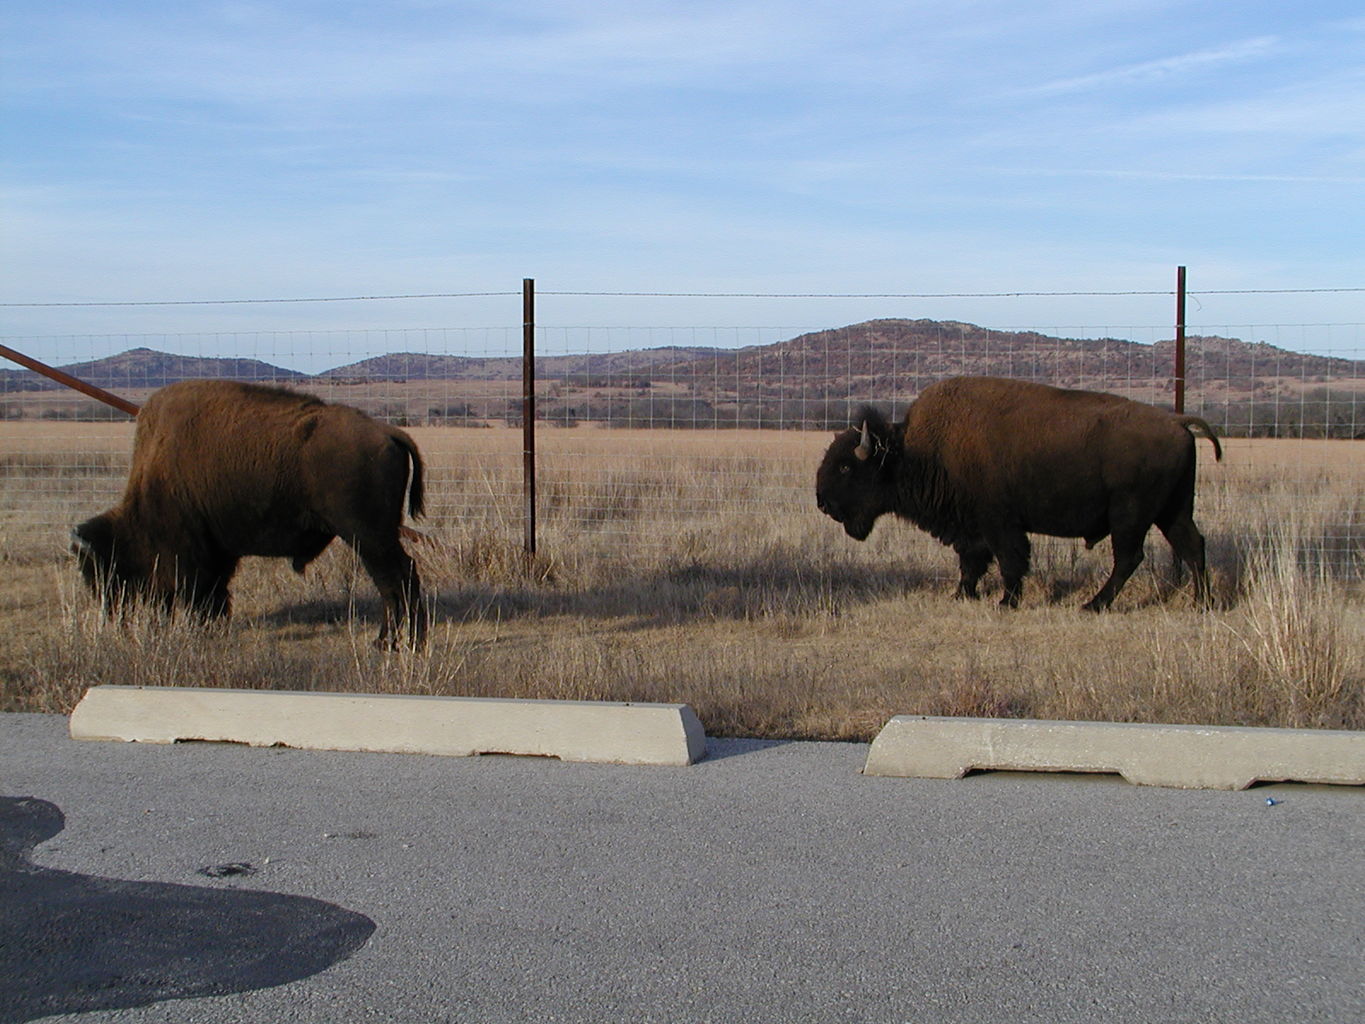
(597, 731)
(1181, 756)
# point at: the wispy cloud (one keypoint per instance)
(1158, 175)
(1315, 104)
(1161, 69)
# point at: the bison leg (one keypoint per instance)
(1012, 551)
(217, 603)
(1187, 543)
(973, 559)
(206, 591)
(395, 576)
(1127, 546)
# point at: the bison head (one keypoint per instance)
(856, 481)
(106, 570)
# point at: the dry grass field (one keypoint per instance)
(693, 566)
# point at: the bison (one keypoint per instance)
(982, 462)
(222, 469)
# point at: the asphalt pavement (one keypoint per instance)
(770, 882)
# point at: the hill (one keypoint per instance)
(809, 381)
(898, 357)
(144, 368)
(417, 366)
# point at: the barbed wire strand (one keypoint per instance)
(687, 295)
(245, 302)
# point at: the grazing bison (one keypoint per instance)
(981, 462)
(222, 469)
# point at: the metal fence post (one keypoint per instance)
(1180, 339)
(528, 409)
(75, 383)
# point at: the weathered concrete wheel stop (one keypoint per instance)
(1182, 756)
(599, 731)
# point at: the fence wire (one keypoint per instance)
(652, 440)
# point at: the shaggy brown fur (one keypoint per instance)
(222, 469)
(981, 462)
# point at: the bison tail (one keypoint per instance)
(1203, 427)
(416, 497)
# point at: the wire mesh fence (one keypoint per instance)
(651, 440)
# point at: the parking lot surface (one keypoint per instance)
(769, 882)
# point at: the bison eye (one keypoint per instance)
(845, 468)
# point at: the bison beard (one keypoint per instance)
(222, 470)
(981, 462)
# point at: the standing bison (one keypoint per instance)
(982, 462)
(222, 469)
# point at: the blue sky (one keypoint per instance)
(184, 150)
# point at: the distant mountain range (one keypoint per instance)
(806, 380)
(141, 368)
(883, 354)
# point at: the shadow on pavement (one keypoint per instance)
(71, 943)
(718, 749)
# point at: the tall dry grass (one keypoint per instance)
(1297, 629)
(693, 567)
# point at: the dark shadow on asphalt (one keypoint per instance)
(71, 943)
(718, 749)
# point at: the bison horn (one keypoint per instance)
(864, 449)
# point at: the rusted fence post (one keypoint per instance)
(75, 383)
(528, 409)
(1179, 339)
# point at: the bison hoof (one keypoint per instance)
(391, 642)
